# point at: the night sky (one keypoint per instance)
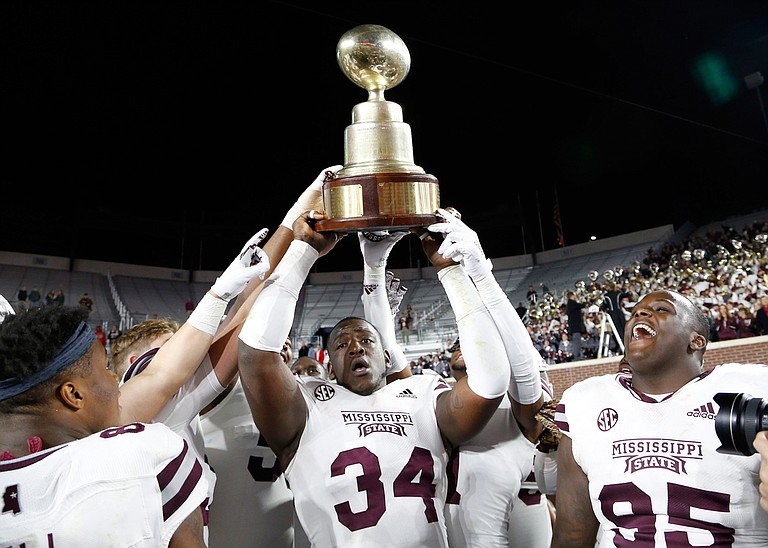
(166, 133)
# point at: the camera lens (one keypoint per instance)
(738, 421)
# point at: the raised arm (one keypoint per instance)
(272, 391)
(224, 350)
(463, 411)
(461, 244)
(376, 247)
(144, 395)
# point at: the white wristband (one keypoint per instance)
(270, 319)
(207, 315)
(482, 347)
(524, 359)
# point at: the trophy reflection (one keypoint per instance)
(380, 187)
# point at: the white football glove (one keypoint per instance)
(461, 244)
(376, 246)
(251, 262)
(395, 292)
(311, 198)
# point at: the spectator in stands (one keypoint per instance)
(576, 327)
(112, 335)
(532, 295)
(548, 351)
(745, 322)
(100, 335)
(761, 316)
(405, 332)
(410, 316)
(189, 306)
(600, 497)
(59, 407)
(21, 299)
(565, 348)
(86, 302)
(50, 297)
(59, 298)
(303, 349)
(611, 305)
(34, 297)
(312, 350)
(725, 324)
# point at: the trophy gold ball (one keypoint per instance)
(379, 186)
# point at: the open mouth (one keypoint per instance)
(642, 331)
(358, 367)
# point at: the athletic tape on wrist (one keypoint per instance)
(207, 315)
(376, 274)
(270, 319)
(291, 216)
(482, 347)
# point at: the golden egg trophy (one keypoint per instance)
(379, 187)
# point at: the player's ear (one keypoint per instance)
(387, 360)
(698, 342)
(69, 395)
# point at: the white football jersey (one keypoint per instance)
(252, 505)
(655, 477)
(182, 412)
(485, 475)
(530, 521)
(370, 470)
(125, 486)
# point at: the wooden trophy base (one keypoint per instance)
(379, 201)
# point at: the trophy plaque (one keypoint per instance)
(379, 187)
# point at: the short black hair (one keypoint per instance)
(699, 319)
(349, 319)
(29, 342)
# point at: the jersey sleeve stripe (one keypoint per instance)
(178, 480)
(560, 418)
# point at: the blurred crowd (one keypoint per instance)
(724, 271)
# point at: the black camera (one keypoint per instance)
(738, 421)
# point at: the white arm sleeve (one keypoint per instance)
(524, 359)
(270, 319)
(487, 366)
(545, 472)
(377, 311)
